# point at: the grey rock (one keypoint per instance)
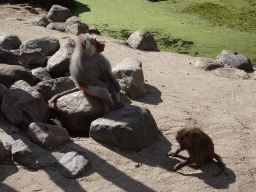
(32, 58)
(2, 152)
(207, 63)
(56, 26)
(231, 73)
(9, 57)
(9, 139)
(59, 63)
(77, 28)
(130, 76)
(73, 20)
(47, 136)
(235, 59)
(44, 44)
(52, 87)
(41, 74)
(40, 21)
(22, 97)
(77, 110)
(9, 41)
(59, 13)
(142, 40)
(93, 29)
(130, 127)
(73, 164)
(9, 74)
(31, 155)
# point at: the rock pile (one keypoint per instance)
(33, 71)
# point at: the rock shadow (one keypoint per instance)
(6, 171)
(155, 155)
(81, 8)
(153, 96)
(112, 174)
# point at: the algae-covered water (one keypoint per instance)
(194, 27)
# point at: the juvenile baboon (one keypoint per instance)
(200, 149)
(92, 72)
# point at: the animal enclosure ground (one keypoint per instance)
(194, 27)
(178, 95)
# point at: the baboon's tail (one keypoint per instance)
(220, 163)
(52, 100)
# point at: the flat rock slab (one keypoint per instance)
(207, 63)
(9, 139)
(31, 155)
(231, 73)
(73, 164)
(131, 127)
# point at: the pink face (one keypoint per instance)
(98, 46)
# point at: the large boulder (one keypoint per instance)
(47, 136)
(58, 64)
(9, 57)
(235, 59)
(77, 110)
(32, 58)
(9, 41)
(44, 44)
(76, 26)
(41, 74)
(58, 13)
(52, 87)
(142, 40)
(130, 127)
(22, 97)
(129, 75)
(9, 74)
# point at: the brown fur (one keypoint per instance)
(199, 146)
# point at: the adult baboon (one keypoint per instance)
(92, 72)
(200, 148)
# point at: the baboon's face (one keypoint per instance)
(98, 45)
(180, 138)
(91, 45)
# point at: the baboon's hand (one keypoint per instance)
(172, 154)
(51, 103)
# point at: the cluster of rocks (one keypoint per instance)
(228, 64)
(60, 18)
(32, 72)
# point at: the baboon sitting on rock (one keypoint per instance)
(92, 73)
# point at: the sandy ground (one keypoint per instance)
(178, 95)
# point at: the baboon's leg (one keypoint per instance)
(102, 93)
(175, 153)
(188, 161)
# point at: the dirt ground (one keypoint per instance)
(178, 95)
